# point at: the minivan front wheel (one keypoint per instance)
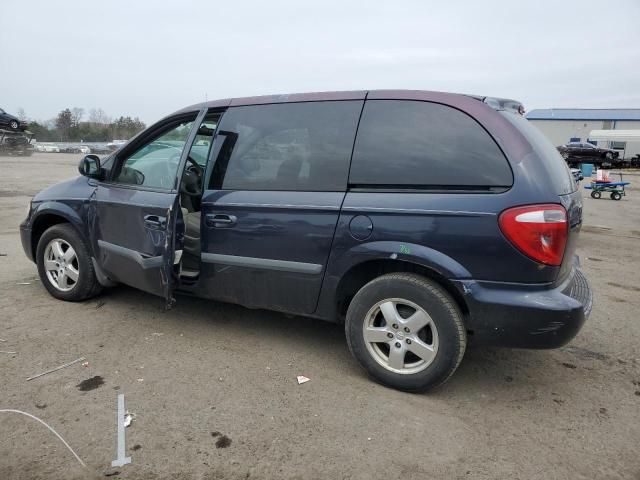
(64, 264)
(406, 331)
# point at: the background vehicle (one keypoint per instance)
(46, 147)
(15, 143)
(577, 174)
(577, 152)
(385, 210)
(11, 122)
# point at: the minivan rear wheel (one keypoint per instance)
(406, 331)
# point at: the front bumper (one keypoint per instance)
(526, 316)
(25, 238)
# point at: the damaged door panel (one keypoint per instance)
(137, 211)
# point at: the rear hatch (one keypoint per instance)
(559, 179)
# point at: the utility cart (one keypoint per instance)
(614, 189)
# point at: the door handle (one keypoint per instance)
(220, 220)
(155, 222)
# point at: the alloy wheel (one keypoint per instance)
(400, 336)
(61, 265)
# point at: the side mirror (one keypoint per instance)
(89, 166)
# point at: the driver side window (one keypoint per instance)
(155, 164)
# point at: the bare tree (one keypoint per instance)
(97, 115)
(76, 116)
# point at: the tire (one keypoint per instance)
(409, 295)
(86, 284)
(596, 195)
(616, 196)
(13, 124)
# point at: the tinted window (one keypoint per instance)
(410, 143)
(293, 146)
(559, 173)
(155, 164)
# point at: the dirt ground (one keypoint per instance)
(214, 392)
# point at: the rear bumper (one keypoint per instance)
(524, 316)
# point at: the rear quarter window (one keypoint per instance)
(560, 176)
(425, 145)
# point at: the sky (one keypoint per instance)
(149, 58)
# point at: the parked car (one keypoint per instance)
(11, 122)
(78, 149)
(577, 152)
(48, 148)
(100, 149)
(420, 220)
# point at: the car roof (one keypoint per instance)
(424, 95)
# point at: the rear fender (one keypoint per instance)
(406, 252)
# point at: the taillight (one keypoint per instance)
(538, 231)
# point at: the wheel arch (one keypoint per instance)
(362, 273)
(48, 215)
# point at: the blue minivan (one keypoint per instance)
(421, 220)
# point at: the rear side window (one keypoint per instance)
(292, 146)
(559, 174)
(420, 144)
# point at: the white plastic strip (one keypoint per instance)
(121, 459)
(51, 429)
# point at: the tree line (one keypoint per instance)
(71, 125)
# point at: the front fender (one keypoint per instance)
(48, 213)
(53, 207)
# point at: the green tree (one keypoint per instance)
(64, 122)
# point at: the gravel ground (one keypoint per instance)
(214, 389)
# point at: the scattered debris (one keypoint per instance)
(90, 383)
(41, 406)
(141, 379)
(85, 364)
(638, 393)
(603, 411)
(112, 473)
(157, 334)
(302, 379)
(136, 447)
(559, 401)
(568, 365)
(121, 459)
(57, 368)
(369, 439)
(508, 379)
(223, 442)
(100, 304)
(215, 434)
(10, 353)
(2, 340)
(3, 254)
(51, 429)
(128, 418)
(23, 283)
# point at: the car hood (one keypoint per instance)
(77, 188)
